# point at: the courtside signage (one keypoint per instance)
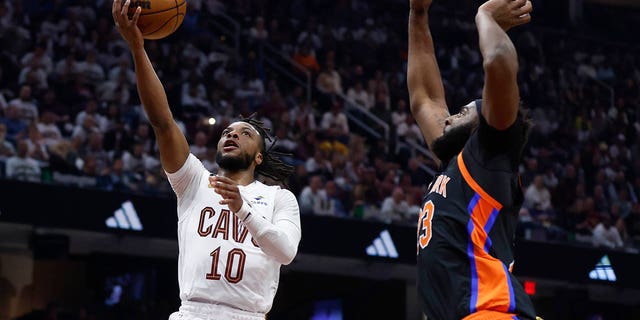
(383, 246)
(603, 270)
(125, 218)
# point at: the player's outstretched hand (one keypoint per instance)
(229, 191)
(420, 4)
(128, 28)
(508, 13)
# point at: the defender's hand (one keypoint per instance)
(229, 191)
(508, 13)
(128, 28)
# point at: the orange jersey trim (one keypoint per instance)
(491, 287)
(474, 185)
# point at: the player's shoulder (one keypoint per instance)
(276, 190)
(271, 188)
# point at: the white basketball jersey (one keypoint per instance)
(218, 261)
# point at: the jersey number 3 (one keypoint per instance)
(235, 258)
(424, 224)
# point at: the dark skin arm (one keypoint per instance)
(172, 143)
(501, 96)
(426, 91)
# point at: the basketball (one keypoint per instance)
(158, 18)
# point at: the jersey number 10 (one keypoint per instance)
(236, 257)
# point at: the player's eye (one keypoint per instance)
(246, 133)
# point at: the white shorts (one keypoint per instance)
(190, 310)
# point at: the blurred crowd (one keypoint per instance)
(70, 113)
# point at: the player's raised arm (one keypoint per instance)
(426, 92)
(174, 148)
(501, 97)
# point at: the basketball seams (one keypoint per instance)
(149, 35)
(177, 15)
(164, 10)
(160, 27)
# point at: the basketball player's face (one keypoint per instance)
(456, 132)
(467, 116)
(238, 147)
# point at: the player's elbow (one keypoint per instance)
(287, 257)
(161, 123)
(502, 58)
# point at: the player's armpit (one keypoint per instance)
(430, 117)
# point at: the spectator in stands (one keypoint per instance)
(6, 148)
(37, 64)
(399, 114)
(251, 90)
(258, 32)
(116, 90)
(362, 208)
(87, 126)
(329, 82)
(26, 105)
(564, 193)
(395, 207)
(123, 69)
(388, 182)
(335, 125)
(312, 196)
(134, 161)
(91, 69)
(279, 36)
(537, 199)
(306, 58)
(310, 34)
(91, 109)
(418, 176)
(67, 68)
(142, 135)
(358, 95)
(632, 222)
(199, 145)
(21, 166)
(16, 126)
(587, 219)
(37, 148)
(48, 129)
(332, 205)
(409, 131)
(605, 234)
(304, 118)
(94, 148)
(118, 138)
(209, 160)
(600, 198)
(120, 179)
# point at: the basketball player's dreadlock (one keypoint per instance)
(272, 166)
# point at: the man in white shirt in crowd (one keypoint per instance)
(606, 234)
(395, 207)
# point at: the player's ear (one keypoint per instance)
(259, 158)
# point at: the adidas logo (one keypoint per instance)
(125, 218)
(603, 270)
(383, 246)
